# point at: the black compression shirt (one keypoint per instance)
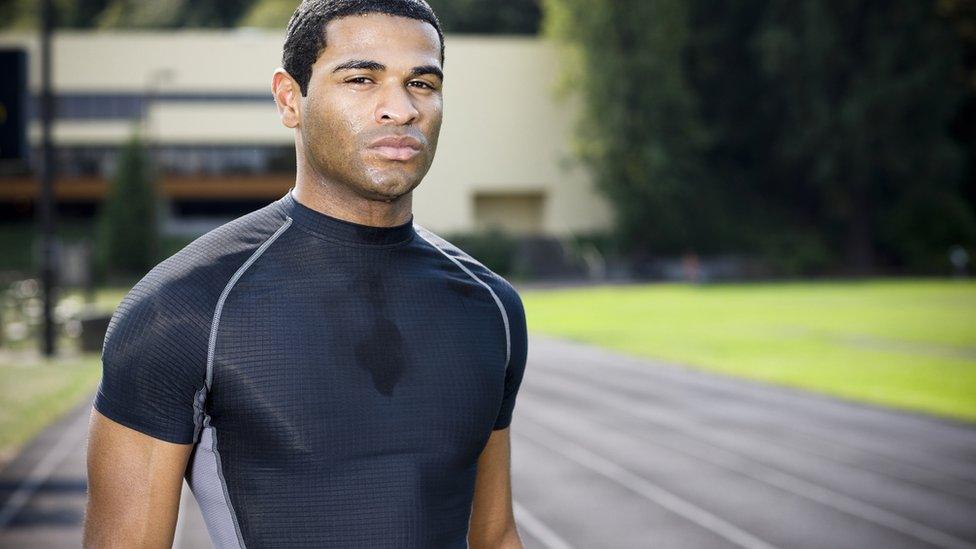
(338, 380)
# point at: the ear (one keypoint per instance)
(287, 96)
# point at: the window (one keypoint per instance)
(515, 212)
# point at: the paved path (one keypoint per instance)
(612, 451)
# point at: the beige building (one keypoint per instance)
(205, 99)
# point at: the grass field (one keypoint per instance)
(35, 391)
(908, 344)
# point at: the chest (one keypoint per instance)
(340, 365)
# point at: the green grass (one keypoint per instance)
(35, 392)
(908, 344)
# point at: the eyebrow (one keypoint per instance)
(368, 65)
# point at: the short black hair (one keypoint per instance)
(305, 38)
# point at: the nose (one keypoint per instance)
(396, 106)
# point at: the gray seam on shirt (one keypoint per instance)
(501, 307)
(223, 296)
(210, 357)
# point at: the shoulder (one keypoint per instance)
(179, 294)
(499, 285)
(155, 352)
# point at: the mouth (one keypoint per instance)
(396, 147)
(395, 153)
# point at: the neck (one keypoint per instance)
(339, 201)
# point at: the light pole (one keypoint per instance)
(45, 206)
(155, 81)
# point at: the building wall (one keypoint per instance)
(504, 139)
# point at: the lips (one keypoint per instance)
(395, 147)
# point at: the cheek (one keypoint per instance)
(437, 111)
(352, 110)
(333, 126)
(435, 128)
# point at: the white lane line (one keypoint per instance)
(538, 434)
(74, 435)
(932, 478)
(823, 407)
(784, 481)
(537, 529)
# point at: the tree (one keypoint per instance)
(461, 16)
(272, 14)
(819, 129)
(639, 129)
(867, 95)
(488, 16)
(962, 15)
(127, 13)
(127, 238)
(172, 13)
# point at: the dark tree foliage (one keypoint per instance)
(640, 130)
(818, 132)
(127, 238)
(744, 125)
(962, 15)
(461, 16)
(868, 98)
(157, 14)
(80, 13)
(172, 13)
(488, 16)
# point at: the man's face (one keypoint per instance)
(378, 77)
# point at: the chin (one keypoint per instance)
(386, 192)
(392, 188)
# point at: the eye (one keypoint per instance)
(423, 85)
(357, 80)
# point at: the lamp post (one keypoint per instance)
(45, 205)
(155, 81)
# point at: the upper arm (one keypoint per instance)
(492, 519)
(134, 486)
(518, 353)
(145, 415)
(154, 359)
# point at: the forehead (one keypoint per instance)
(376, 35)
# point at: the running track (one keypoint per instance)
(612, 451)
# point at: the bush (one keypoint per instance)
(494, 248)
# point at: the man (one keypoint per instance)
(324, 371)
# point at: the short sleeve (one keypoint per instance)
(154, 363)
(519, 352)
